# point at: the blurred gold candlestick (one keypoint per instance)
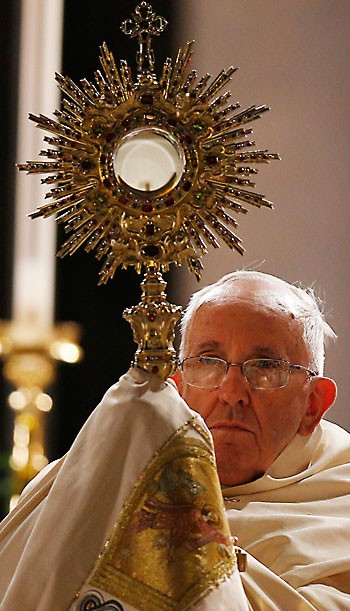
(30, 360)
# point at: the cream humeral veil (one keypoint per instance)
(131, 518)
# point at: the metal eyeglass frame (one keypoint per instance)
(243, 365)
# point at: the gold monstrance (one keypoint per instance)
(148, 172)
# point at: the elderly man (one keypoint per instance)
(132, 517)
(252, 356)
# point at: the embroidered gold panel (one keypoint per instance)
(172, 542)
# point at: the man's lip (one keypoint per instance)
(228, 424)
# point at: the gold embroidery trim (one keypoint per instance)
(201, 431)
(171, 544)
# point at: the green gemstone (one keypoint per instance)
(97, 129)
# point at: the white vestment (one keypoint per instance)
(131, 518)
(295, 524)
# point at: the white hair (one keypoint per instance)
(302, 303)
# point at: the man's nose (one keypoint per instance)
(234, 387)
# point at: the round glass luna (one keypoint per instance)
(149, 160)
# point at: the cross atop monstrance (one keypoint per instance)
(148, 173)
(144, 24)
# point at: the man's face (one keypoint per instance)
(250, 427)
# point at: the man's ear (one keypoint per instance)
(177, 377)
(322, 395)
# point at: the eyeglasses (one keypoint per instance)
(261, 374)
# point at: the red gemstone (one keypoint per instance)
(211, 159)
(147, 98)
(150, 229)
(147, 208)
(151, 251)
(86, 165)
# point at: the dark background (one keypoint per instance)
(9, 33)
(106, 338)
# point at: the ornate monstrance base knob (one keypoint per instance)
(153, 323)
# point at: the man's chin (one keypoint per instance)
(237, 458)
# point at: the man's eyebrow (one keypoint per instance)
(257, 352)
(208, 345)
(267, 351)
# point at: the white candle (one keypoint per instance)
(35, 240)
